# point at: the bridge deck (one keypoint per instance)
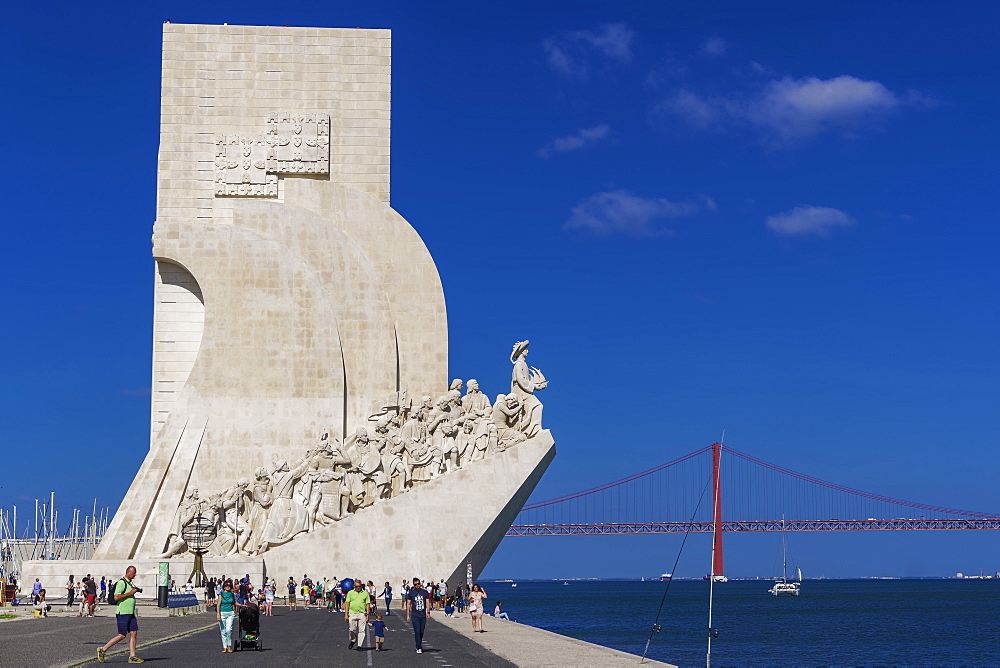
(755, 525)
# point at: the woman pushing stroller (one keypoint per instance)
(225, 610)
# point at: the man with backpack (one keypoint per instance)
(122, 594)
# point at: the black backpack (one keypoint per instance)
(111, 591)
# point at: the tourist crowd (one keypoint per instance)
(358, 599)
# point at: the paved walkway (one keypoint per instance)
(299, 638)
(65, 639)
(529, 646)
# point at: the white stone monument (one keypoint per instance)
(300, 400)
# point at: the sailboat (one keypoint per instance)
(783, 587)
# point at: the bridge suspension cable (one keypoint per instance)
(754, 493)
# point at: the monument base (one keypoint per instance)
(55, 573)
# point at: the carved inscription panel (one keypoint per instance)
(301, 143)
(241, 167)
(249, 165)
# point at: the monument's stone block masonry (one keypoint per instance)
(301, 406)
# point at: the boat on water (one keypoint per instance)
(783, 587)
(513, 584)
(666, 577)
(716, 578)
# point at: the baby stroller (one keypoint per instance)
(249, 628)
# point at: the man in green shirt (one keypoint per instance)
(123, 594)
(356, 615)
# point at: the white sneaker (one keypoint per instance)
(420, 651)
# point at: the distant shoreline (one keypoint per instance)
(743, 579)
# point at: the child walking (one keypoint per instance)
(379, 628)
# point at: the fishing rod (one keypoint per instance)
(656, 623)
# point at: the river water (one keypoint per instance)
(833, 622)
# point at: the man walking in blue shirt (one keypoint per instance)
(418, 608)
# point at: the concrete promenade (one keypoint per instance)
(529, 646)
(300, 637)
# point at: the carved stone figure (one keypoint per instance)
(287, 518)
(507, 418)
(423, 458)
(390, 446)
(442, 430)
(464, 442)
(455, 406)
(186, 512)
(367, 462)
(261, 498)
(234, 515)
(475, 402)
(331, 488)
(524, 383)
(479, 410)
(309, 490)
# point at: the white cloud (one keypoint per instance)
(804, 221)
(696, 110)
(619, 211)
(714, 46)
(788, 110)
(572, 53)
(804, 107)
(577, 140)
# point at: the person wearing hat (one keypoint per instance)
(525, 381)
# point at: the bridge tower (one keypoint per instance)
(717, 510)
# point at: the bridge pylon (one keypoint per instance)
(717, 569)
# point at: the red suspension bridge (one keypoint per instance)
(719, 489)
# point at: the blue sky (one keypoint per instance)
(777, 219)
